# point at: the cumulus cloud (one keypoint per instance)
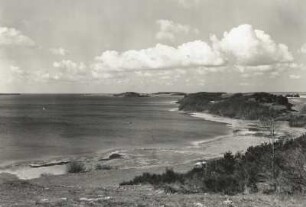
(59, 51)
(11, 36)
(242, 47)
(68, 70)
(169, 30)
(245, 45)
(17, 73)
(196, 53)
(65, 70)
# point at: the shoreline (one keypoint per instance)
(248, 131)
(183, 158)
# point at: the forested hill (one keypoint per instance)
(242, 106)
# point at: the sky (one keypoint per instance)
(110, 46)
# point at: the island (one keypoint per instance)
(131, 95)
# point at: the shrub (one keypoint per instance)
(236, 173)
(76, 167)
(169, 176)
(297, 121)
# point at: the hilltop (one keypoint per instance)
(246, 106)
(251, 106)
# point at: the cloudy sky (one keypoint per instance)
(86, 46)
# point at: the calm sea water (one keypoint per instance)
(40, 126)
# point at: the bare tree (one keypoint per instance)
(270, 124)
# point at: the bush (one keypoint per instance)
(236, 173)
(76, 167)
(169, 176)
(297, 121)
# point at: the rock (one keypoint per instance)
(199, 205)
(200, 164)
(228, 202)
(115, 156)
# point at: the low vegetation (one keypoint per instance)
(253, 171)
(249, 106)
(294, 95)
(303, 111)
(76, 167)
(297, 121)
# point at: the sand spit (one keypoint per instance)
(245, 133)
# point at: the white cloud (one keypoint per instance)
(59, 51)
(65, 70)
(11, 36)
(197, 53)
(303, 49)
(68, 70)
(243, 47)
(169, 30)
(262, 68)
(247, 46)
(292, 76)
(16, 70)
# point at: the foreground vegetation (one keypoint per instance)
(256, 170)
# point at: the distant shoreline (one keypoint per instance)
(10, 94)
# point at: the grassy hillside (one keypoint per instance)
(254, 171)
(242, 106)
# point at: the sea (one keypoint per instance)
(39, 126)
